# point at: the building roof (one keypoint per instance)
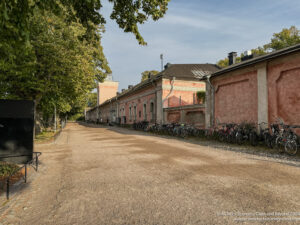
(249, 62)
(189, 71)
(180, 71)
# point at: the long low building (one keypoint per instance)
(263, 89)
(169, 97)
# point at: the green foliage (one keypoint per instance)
(45, 136)
(76, 117)
(92, 99)
(259, 51)
(145, 74)
(51, 51)
(128, 14)
(15, 15)
(283, 39)
(7, 169)
(225, 62)
(201, 95)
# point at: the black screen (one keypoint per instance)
(16, 130)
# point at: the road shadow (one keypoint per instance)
(248, 149)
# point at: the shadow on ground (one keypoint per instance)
(258, 150)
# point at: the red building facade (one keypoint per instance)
(262, 89)
(169, 97)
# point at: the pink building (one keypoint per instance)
(167, 97)
(107, 89)
(261, 89)
(256, 90)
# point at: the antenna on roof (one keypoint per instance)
(162, 61)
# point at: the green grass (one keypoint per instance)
(7, 169)
(44, 136)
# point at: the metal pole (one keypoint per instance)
(36, 162)
(7, 188)
(25, 173)
(162, 61)
(54, 118)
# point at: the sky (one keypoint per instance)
(195, 31)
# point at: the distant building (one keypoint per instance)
(107, 89)
(170, 96)
(257, 90)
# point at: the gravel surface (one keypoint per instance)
(108, 175)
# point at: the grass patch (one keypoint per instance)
(45, 136)
(7, 169)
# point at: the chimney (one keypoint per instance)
(247, 55)
(123, 90)
(130, 86)
(149, 75)
(118, 93)
(232, 57)
(167, 65)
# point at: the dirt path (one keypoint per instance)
(98, 175)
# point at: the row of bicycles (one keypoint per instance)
(278, 135)
(173, 129)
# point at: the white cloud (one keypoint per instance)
(189, 34)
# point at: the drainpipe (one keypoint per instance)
(163, 101)
(212, 93)
(155, 105)
(117, 106)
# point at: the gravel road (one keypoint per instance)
(108, 175)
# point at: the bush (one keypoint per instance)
(76, 117)
(201, 96)
(7, 169)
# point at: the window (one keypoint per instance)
(134, 111)
(145, 112)
(130, 113)
(152, 110)
(140, 114)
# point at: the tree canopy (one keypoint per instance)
(146, 73)
(285, 38)
(51, 52)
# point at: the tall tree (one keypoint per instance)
(225, 62)
(51, 52)
(146, 73)
(283, 39)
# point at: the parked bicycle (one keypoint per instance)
(263, 135)
(243, 133)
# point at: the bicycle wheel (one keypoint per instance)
(272, 141)
(253, 139)
(239, 138)
(291, 147)
(267, 140)
(278, 144)
(184, 133)
(221, 137)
